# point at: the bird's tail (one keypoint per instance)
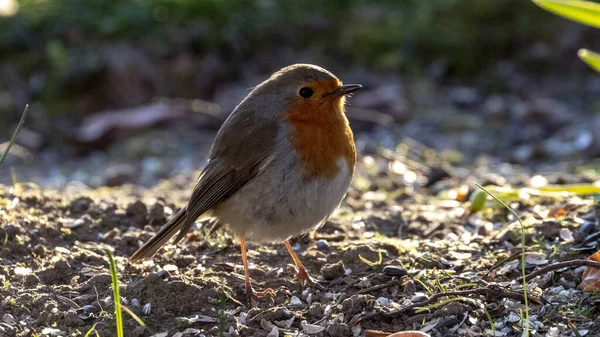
(159, 239)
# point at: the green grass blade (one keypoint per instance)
(592, 59)
(15, 135)
(117, 296)
(136, 317)
(523, 274)
(585, 12)
(92, 329)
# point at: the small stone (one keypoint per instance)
(419, 298)
(507, 330)
(163, 274)
(332, 271)
(90, 309)
(566, 235)
(312, 329)
(170, 268)
(147, 309)
(295, 301)
(587, 227)
(53, 332)
(39, 250)
(31, 280)
(410, 288)
(394, 271)
(513, 317)
(81, 205)
(316, 310)
(338, 329)
(357, 303)
(447, 323)
(322, 245)
(138, 212)
(157, 214)
(9, 319)
(384, 301)
(135, 303)
(22, 271)
(72, 320)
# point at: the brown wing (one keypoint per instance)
(243, 146)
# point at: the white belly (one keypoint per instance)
(280, 203)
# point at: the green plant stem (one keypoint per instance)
(117, 296)
(15, 135)
(523, 274)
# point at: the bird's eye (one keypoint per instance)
(306, 92)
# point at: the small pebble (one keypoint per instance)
(108, 300)
(338, 329)
(507, 330)
(309, 299)
(588, 227)
(9, 319)
(147, 309)
(316, 310)
(89, 309)
(332, 271)
(295, 301)
(163, 274)
(447, 323)
(394, 271)
(419, 298)
(170, 268)
(322, 245)
(135, 303)
(73, 320)
(384, 302)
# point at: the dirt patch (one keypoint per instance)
(386, 249)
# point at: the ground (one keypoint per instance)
(404, 234)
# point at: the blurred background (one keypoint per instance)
(134, 91)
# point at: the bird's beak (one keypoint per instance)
(344, 90)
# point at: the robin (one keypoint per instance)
(280, 166)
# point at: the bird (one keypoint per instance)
(279, 166)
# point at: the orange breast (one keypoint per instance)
(322, 136)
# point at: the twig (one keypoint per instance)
(367, 290)
(489, 292)
(560, 265)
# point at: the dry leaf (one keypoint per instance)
(556, 212)
(590, 280)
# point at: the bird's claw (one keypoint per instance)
(259, 296)
(306, 279)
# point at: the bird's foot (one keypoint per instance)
(305, 278)
(259, 296)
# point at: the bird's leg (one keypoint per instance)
(250, 292)
(302, 273)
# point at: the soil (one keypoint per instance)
(404, 233)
